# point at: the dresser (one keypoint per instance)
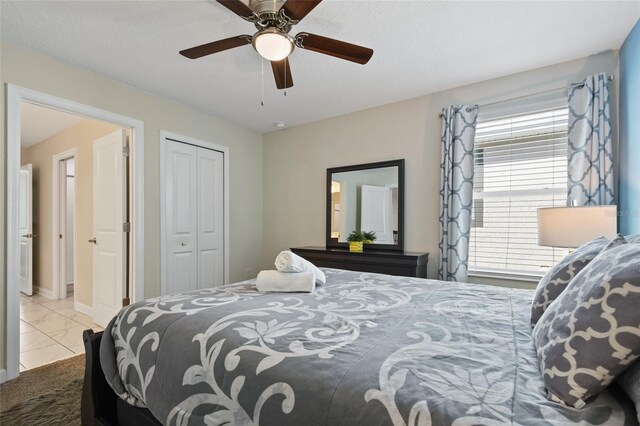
(405, 264)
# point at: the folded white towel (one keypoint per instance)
(285, 282)
(287, 261)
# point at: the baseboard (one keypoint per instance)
(3, 375)
(82, 308)
(46, 293)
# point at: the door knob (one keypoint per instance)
(93, 240)
(184, 244)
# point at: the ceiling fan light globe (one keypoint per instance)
(273, 45)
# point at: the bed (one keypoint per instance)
(364, 349)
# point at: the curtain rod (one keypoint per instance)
(609, 78)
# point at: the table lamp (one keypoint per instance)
(570, 227)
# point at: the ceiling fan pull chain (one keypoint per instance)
(262, 81)
(286, 66)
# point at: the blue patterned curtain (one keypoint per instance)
(456, 190)
(590, 144)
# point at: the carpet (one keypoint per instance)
(47, 395)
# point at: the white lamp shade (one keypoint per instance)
(273, 45)
(573, 226)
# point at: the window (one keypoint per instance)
(520, 165)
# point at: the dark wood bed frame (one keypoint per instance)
(100, 404)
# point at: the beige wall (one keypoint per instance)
(80, 137)
(32, 70)
(296, 159)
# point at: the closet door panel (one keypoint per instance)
(181, 209)
(210, 218)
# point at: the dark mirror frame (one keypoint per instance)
(332, 242)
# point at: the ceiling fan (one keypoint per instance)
(274, 20)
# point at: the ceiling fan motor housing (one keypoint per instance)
(269, 14)
(266, 6)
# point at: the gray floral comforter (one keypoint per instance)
(365, 349)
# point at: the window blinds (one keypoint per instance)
(520, 165)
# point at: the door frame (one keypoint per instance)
(164, 136)
(15, 96)
(59, 258)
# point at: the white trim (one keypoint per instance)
(49, 294)
(12, 345)
(83, 309)
(16, 95)
(164, 135)
(58, 257)
(528, 103)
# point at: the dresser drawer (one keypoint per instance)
(321, 263)
(391, 263)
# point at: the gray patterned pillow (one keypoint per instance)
(629, 381)
(633, 239)
(618, 240)
(561, 274)
(591, 333)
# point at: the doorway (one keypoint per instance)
(65, 278)
(16, 98)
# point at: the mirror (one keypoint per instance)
(367, 198)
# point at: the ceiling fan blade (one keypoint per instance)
(216, 46)
(237, 7)
(282, 73)
(298, 9)
(336, 48)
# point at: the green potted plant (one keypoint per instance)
(356, 241)
(369, 237)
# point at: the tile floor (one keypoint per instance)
(50, 330)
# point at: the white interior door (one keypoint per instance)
(66, 212)
(181, 223)
(25, 229)
(62, 228)
(210, 218)
(376, 212)
(108, 219)
(70, 220)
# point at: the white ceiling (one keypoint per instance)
(39, 123)
(420, 47)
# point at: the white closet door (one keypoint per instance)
(210, 218)
(181, 223)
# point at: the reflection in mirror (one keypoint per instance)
(365, 200)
